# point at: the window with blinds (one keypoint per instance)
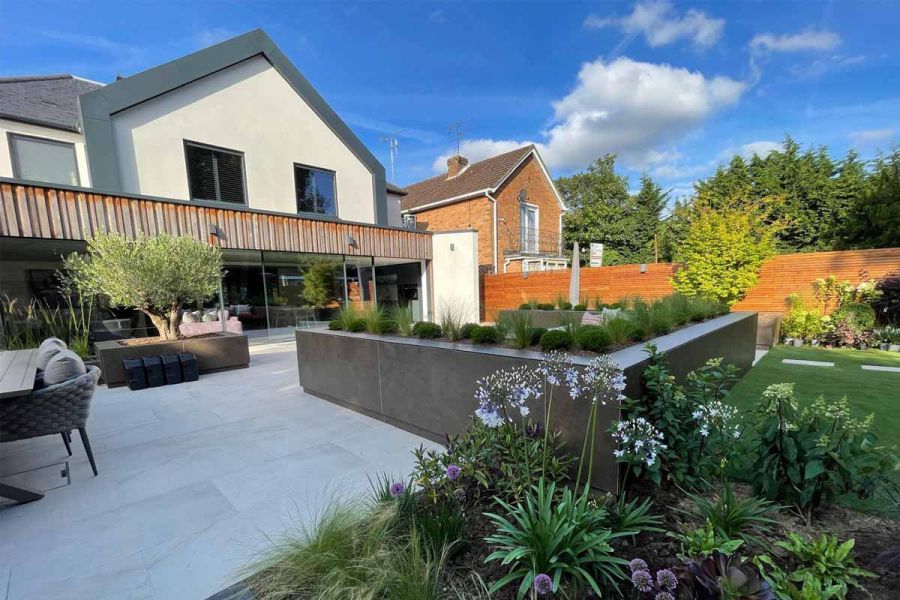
(315, 190)
(215, 173)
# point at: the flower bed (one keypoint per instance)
(507, 512)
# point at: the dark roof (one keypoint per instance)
(394, 189)
(50, 100)
(486, 174)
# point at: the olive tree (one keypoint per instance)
(156, 275)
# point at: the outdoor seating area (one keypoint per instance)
(192, 479)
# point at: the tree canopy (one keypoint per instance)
(156, 275)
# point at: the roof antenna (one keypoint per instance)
(458, 130)
(393, 146)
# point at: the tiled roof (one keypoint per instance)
(485, 174)
(394, 189)
(50, 100)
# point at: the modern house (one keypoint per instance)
(511, 201)
(230, 145)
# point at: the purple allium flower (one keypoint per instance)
(543, 585)
(642, 580)
(397, 489)
(666, 579)
(664, 596)
(637, 564)
(453, 472)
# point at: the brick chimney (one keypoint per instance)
(455, 164)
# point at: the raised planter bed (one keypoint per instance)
(427, 387)
(220, 352)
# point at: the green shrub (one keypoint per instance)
(373, 315)
(556, 339)
(571, 322)
(703, 541)
(560, 302)
(426, 330)
(661, 320)
(641, 319)
(620, 330)
(580, 307)
(346, 316)
(388, 326)
(809, 457)
(859, 316)
(358, 325)
(451, 317)
(465, 332)
(535, 335)
(597, 303)
(546, 306)
(524, 306)
(561, 538)
(594, 338)
(485, 334)
(335, 325)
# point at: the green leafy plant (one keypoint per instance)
(702, 541)
(426, 330)
(560, 538)
(452, 315)
(633, 516)
(580, 307)
(335, 325)
(536, 334)
(561, 303)
(620, 330)
(373, 316)
(809, 457)
(570, 322)
(345, 318)
(485, 334)
(546, 306)
(733, 517)
(156, 275)
(594, 338)
(827, 559)
(358, 325)
(556, 339)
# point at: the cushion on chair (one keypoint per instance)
(46, 353)
(52, 341)
(589, 318)
(64, 366)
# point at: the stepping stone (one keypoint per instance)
(880, 368)
(808, 363)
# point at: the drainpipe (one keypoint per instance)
(494, 228)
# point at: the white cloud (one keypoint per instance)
(872, 137)
(660, 25)
(634, 109)
(762, 149)
(437, 16)
(797, 42)
(209, 36)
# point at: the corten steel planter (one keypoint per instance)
(221, 352)
(427, 387)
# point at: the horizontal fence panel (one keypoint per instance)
(47, 212)
(779, 277)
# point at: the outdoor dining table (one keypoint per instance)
(17, 371)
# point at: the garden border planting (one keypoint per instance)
(427, 386)
(222, 352)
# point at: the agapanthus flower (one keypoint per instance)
(638, 441)
(600, 381)
(637, 564)
(397, 489)
(503, 391)
(543, 585)
(664, 595)
(453, 472)
(554, 367)
(642, 580)
(666, 579)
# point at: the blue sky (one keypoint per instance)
(673, 88)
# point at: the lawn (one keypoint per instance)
(867, 391)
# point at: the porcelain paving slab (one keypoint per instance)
(193, 480)
(807, 363)
(881, 368)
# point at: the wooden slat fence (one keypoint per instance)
(779, 277)
(47, 212)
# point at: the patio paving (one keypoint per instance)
(193, 479)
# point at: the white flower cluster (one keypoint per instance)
(601, 381)
(505, 390)
(555, 366)
(638, 440)
(717, 416)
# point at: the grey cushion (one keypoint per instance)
(48, 352)
(64, 366)
(52, 341)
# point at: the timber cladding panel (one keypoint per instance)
(779, 277)
(42, 212)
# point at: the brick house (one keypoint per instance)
(510, 199)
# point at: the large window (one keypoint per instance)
(39, 159)
(315, 190)
(215, 173)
